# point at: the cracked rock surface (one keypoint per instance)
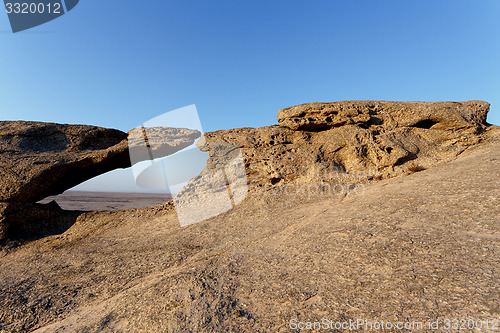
(414, 248)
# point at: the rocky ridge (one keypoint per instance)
(418, 248)
(408, 249)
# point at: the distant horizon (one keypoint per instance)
(85, 191)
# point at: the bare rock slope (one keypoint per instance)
(415, 248)
(407, 249)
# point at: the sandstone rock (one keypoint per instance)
(38, 160)
(404, 250)
(340, 142)
(42, 159)
(456, 116)
(156, 142)
(409, 249)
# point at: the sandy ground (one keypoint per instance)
(106, 201)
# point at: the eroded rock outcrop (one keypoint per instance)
(405, 251)
(148, 143)
(339, 142)
(413, 249)
(42, 159)
(467, 116)
(355, 141)
(38, 160)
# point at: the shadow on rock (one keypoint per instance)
(22, 222)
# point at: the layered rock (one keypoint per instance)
(38, 160)
(467, 116)
(339, 142)
(355, 141)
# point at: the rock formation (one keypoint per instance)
(458, 116)
(355, 141)
(410, 249)
(322, 143)
(38, 160)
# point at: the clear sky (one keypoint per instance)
(119, 63)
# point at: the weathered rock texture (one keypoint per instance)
(38, 160)
(355, 140)
(458, 116)
(42, 159)
(415, 248)
(159, 141)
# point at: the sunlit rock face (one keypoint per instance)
(38, 159)
(337, 142)
(356, 140)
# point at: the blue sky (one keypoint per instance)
(119, 63)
